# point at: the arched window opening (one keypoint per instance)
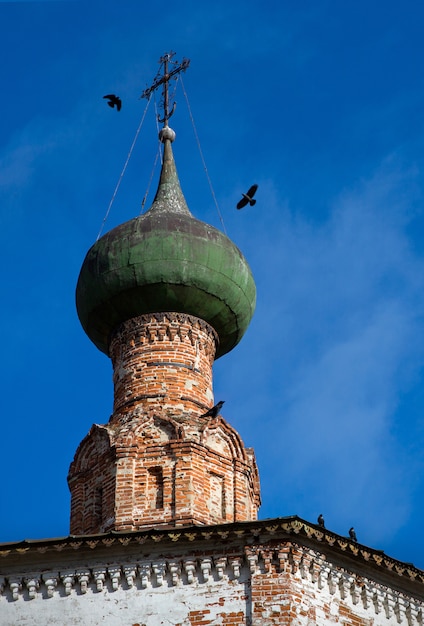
(155, 488)
(98, 505)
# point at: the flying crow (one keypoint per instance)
(248, 197)
(213, 412)
(321, 521)
(352, 534)
(114, 101)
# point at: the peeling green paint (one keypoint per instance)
(166, 260)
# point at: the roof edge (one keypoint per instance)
(258, 530)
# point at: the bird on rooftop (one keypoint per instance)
(114, 101)
(321, 520)
(213, 412)
(248, 197)
(352, 534)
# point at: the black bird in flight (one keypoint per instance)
(213, 412)
(114, 101)
(352, 534)
(321, 521)
(248, 197)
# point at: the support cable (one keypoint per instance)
(202, 157)
(123, 170)
(158, 154)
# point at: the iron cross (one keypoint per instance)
(163, 79)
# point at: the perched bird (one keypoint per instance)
(321, 521)
(114, 101)
(352, 534)
(248, 197)
(213, 412)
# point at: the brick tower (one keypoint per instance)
(163, 295)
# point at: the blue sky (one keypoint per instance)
(320, 103)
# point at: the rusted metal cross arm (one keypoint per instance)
(166, 77)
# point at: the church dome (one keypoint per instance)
(166, 261)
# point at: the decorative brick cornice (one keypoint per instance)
(155, 327)
(142, 574)
(270, 532)
(309, 569)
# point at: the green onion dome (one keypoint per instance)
(165, 261)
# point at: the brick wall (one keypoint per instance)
(159, 460)
(163, 362)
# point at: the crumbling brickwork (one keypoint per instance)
(163, 363)
(159, 460)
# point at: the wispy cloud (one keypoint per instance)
(339, 313)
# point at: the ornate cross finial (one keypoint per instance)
(163, 79)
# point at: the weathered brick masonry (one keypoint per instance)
(164, 363)
(158, 461)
